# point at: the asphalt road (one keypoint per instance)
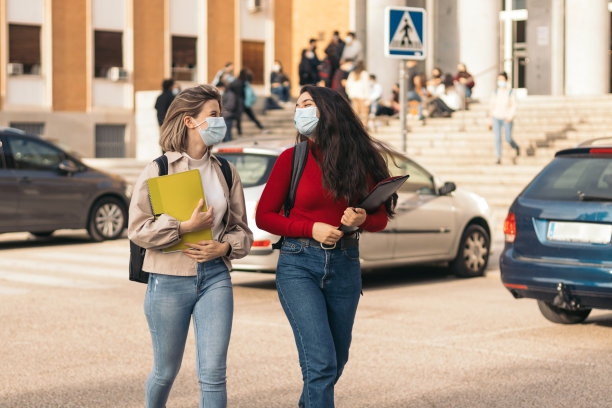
(73, 334)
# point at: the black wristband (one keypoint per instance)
(229, 250)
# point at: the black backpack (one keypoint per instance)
(137, 253)
(298, 163)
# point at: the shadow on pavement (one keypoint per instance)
(33, 242)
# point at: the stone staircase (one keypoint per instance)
(461, 149)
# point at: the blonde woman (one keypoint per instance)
(194, 283)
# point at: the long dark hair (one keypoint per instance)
(350, 159)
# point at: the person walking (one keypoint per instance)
(358, 91)
(318, 276)
(239, 87)
(226, 73)
(230, 108)
(163, 101)
(503, 109)
(194, 283)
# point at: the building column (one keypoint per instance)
(587, 33)
(478, 29)
(557, 43)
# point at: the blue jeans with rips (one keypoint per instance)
(319, 290)
(169, 304)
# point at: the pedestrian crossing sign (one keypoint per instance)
(405, 33)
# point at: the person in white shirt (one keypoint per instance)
(358, 90)
(448, 99)
(352, 48)
(503, 109)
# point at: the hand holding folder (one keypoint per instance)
(177, 195)
(377, 196)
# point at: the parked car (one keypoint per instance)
(434, 221)
(46, 188)
(558, 235)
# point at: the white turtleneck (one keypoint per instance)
(213, 190)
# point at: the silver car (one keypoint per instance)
(434, 221)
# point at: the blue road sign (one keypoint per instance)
(405, 32)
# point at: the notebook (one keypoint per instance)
(377, 196)
(178, 195)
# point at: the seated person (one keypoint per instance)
(279, 82)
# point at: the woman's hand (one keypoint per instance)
(199, 220)
(353, 217)
(206, 250)
(325, 233)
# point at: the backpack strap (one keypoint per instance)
(298, 163)
(227, 171)
(162, 164)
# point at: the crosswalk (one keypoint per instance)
(84, 265)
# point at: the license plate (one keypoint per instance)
(579, 232)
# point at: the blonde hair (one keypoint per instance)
(187, 103)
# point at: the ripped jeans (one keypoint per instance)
(170, 302)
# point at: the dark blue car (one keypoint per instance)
(558, 235)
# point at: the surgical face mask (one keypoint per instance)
(215, 132)
(349, 40)
(276, 67)
(310, 54)
(305, 120)
(175, 91)
(501, 84)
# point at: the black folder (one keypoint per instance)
(377, 196)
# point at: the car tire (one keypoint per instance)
(106, 219)
(563, 316)
(473, 253)
(42, 234)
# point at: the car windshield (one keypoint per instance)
(573, 178)
(254, 169)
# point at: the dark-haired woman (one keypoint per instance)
(194, 283)
(239, 87)
(318, 277)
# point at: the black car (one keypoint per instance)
(44, 188)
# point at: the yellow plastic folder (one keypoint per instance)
(178, 195)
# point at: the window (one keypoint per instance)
(183, 58)
(24, 49)
(420, 181)
(566, 176)
(110, 140)
(31, 154)
(108, 52)
(32, 128)
(254, 169)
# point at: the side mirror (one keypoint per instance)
(447, 188)
(68, 166)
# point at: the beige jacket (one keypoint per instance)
(154, 235)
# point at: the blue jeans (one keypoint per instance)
(497, 125)
(319, 291)
(414, 96)
(170, 302)
(282, 92)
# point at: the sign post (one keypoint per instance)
(404, 40)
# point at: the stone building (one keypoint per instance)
(87, 72)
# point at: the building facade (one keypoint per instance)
(87, 72)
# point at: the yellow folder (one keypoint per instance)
(178, 195)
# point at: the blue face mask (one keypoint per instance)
(215, 132)
(501, 84)
(305, 120)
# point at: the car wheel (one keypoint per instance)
(42, 234)
(473, 254)
(558, 315)
(106, 219)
